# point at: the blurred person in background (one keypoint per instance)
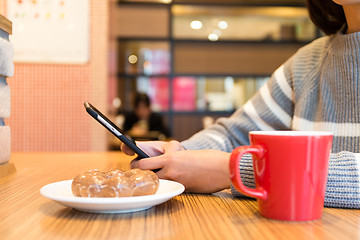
(143, 123)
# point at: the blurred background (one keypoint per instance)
(196, 60)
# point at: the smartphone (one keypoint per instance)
(114, 129)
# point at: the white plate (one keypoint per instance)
(61, 193)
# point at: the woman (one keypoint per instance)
(316, 89)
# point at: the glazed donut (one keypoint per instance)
(115, 183)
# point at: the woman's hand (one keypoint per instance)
(201, 171)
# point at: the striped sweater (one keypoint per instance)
(317, 89)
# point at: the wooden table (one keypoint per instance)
(25, 214)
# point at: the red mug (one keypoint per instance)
(290, 170)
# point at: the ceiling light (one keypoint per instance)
(223, 25)
(213, 37)
(196, 24)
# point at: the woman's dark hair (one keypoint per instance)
(141, 98)
(326, 15)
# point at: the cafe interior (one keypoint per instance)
(197, 61)
(191, 59)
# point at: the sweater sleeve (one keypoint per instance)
(343, 183)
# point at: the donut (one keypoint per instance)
(115, 183)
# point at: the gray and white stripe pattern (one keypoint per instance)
(317, 89)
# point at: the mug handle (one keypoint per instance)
(235, 157)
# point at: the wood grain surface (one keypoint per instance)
(25, 214)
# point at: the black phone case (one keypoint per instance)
(117, 132)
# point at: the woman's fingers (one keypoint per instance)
(154, 148)
(151, 148)
(149, 163)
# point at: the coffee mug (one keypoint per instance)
(290, 170)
